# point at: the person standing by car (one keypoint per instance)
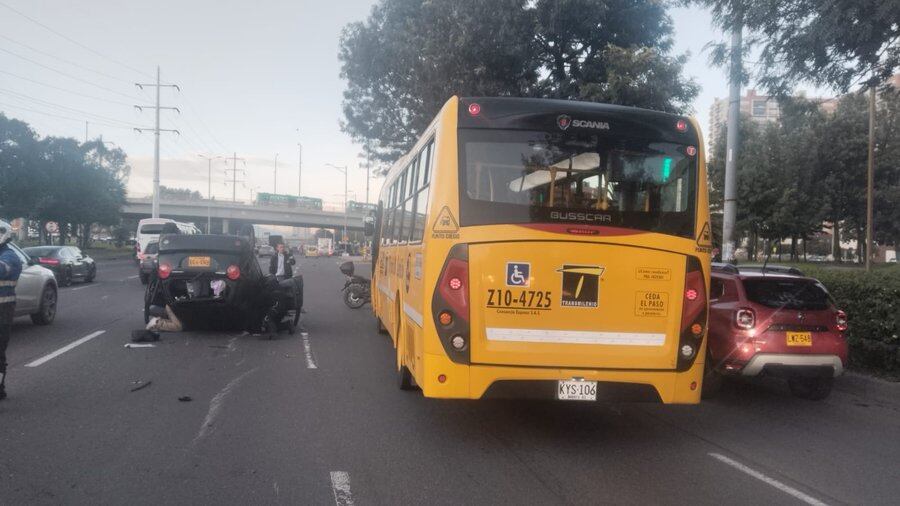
(280, 264)
(10, 268)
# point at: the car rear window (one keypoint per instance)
(801, 294)
(42, 252)
(152, 228)
(152, 248)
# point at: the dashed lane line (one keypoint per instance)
(808, 499)
(51, 356)
(340, 485)
(310, 361)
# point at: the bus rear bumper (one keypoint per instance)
(484, 381)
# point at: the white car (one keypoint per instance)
(36, 292)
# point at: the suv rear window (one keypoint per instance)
(802, 294)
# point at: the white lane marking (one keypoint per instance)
(82, 287)
(51, 356)
(340, 484)
(766, 479)
(310, 361)
(215, 406)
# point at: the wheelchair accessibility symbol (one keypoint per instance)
(518, 273)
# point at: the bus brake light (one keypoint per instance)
(474, 109)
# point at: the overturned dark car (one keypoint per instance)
(214, 282)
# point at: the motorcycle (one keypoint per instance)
(356, 291)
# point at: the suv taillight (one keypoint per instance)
(693, 314)
(450, 305)
(233, 272)
(164, 270)
(840, 320)
(745, 318)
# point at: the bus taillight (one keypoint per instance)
(693, 314)
(450, 305)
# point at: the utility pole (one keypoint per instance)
(733, 141)
(209, 159)
(275, 176)
(156, 131)
(299, 167)
(870, 174)
(86, 131)
(234, 170)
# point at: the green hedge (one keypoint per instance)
(872, 303)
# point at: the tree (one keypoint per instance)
(168, 193)
(410, 56)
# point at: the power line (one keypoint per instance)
(70, 76)
(59, 88)
(63, 60)
(73, 41)
(80, 120)
(53, 104)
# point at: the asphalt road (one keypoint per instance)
(319, 420)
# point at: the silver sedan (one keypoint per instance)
(36, 292)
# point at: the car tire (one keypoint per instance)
(812, 389)
(66, 278)
(47, 311)
(91, 275)
(145, 278)
(712, 379)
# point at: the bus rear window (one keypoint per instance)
(516, 176)
(799, 294)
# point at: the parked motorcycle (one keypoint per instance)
(356, 289)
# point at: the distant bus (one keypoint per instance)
(360, 207)
(547, 248)
(148, 230)
(278, 200)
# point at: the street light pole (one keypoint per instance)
(346, 172)
(299, 167)
(275, 176)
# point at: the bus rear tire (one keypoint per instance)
(405, 379)
(381, 328)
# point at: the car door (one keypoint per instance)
(79, 267)
(28, 290)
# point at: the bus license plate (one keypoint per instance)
(198, 261)
(576, 390)
(799, 339)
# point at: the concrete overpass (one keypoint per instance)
(228, 216)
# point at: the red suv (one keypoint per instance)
(773, 320)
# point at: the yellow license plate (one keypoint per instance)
(799, 339)
(198, 261)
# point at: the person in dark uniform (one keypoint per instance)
(281, 262)
(10, 269)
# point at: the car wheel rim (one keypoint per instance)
(50, 304)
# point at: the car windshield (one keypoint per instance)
(152, 248)
(800, 294)
(529, 176)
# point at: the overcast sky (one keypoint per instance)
(251, 73)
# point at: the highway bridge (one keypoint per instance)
(227, 217)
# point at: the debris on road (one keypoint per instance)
(144, 336)
(140, 345)
(141, 386)
(185, 398)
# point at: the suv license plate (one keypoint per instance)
(576, 390)
(799, 339)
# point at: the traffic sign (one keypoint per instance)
(52, 227)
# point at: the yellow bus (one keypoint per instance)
(547, 248)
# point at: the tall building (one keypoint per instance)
(759, 108)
